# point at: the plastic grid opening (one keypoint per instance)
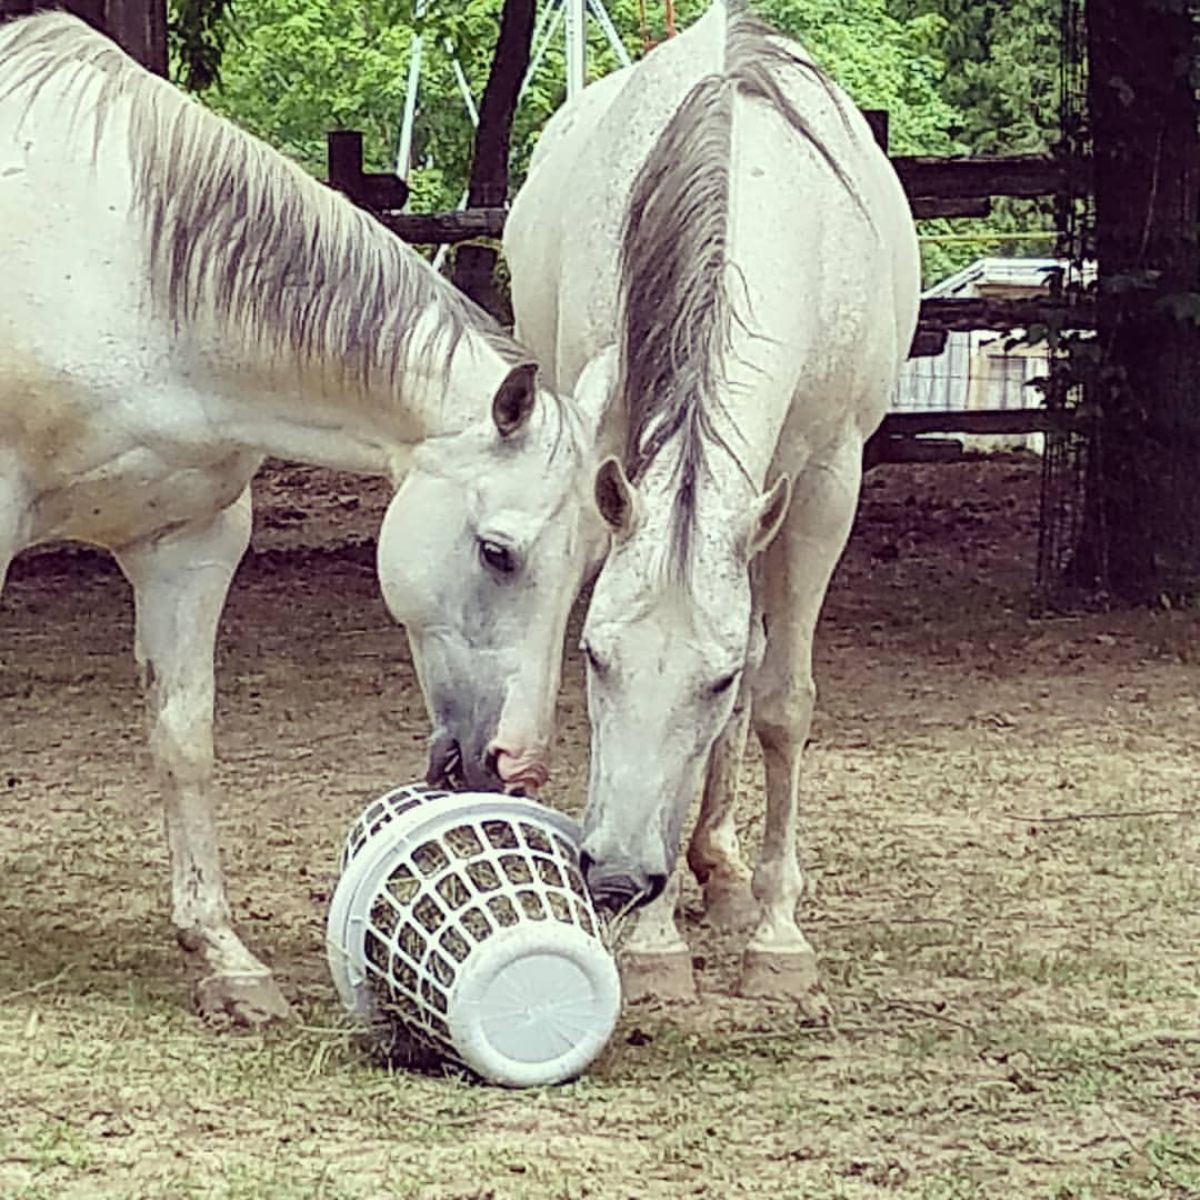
(453, 891)
(383, 812)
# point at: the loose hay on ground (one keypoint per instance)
(1012, 963)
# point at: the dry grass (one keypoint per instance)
(1004, 875)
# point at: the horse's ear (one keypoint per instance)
(614, 497)
(515, 398)
(767, 515)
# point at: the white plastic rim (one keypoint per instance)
(537, 1006)
(450, 807)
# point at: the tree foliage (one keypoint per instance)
(1001, 69)
(198, 30)
(954, 75)
(295, 68)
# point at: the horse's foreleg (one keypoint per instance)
(13, 510)
(714, 853)
(180, 582)
(794, 576)
(655, 961)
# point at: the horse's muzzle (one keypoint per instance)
(614, 891)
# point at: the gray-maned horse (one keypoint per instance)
(737, 267)
(179, 301)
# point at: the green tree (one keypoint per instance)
(883, 61)
(1000, 72)
(198, 32)
(295, 68)
(1001, 69)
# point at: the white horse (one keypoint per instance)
(176, 302)
(713, 236)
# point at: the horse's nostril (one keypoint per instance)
(613, 893)
(654, 888)
(491, 761)
(585, 862)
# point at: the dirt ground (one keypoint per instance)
(1004, 889)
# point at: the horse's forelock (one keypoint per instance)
(676, 312)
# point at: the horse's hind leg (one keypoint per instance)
(793, 577)
(180, 582)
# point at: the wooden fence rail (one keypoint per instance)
(936, 187)
(967, 187)
(966, 313)
(432, 229)
(903, 437)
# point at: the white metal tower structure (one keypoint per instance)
(571, 16)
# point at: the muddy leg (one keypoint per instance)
(795, 573)
(180, 582)
(655, 961)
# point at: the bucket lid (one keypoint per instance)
(537, 1005)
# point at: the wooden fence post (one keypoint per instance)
(877, 118)
(378, 191)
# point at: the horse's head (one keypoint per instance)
(668, 636)
(481, 555)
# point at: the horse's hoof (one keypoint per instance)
(776, 975)
(250, 1001)
(666, 976)
(729, 904)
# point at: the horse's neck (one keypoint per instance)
(310, 412)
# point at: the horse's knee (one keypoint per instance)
(181, 742)
(783, 715)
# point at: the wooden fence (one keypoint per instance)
(936, 187)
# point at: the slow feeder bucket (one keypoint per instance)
(463, 917)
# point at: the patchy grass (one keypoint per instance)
(1003, 872)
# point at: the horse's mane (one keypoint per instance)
(239, 236)
(676, 315)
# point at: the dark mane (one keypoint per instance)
(676, 315)
(237, 235)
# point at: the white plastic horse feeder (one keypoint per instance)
(463, 919)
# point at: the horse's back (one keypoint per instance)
(800, 242)
(73, 275)
(542, 223)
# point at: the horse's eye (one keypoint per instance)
(723, 684)
(497, 557)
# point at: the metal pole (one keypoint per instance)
(545, 11)
(404, 150)
(576, 23)
(554, 12)
(463, 86)
(610, 31)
